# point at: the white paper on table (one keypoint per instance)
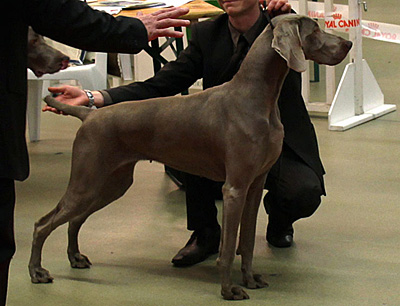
(112, 10)
(115, 9)
(175, 2)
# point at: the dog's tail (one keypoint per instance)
(80, 112)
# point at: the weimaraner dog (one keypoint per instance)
(230, 133)
(42, 58)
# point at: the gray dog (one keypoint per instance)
(42, 58)
(230, 133)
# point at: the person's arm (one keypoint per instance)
(74, 23)
(173, 78)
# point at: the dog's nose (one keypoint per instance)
(64, 62)
(349, 44)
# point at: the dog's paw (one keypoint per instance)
(255, 282)
(79, 261)
(234, 293)
(40, 275)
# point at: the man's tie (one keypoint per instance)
(236, 60)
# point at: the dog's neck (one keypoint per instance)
(262, 71)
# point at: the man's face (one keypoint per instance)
(238, 7)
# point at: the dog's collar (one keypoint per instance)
(264, 8)
(269, 20)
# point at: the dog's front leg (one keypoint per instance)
(248, 232)
(234, 201)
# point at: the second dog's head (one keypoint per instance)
(43, 58)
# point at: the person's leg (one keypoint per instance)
(7, 241)
(4, 267)
(200, 203)
(202, 219)
(294, 192)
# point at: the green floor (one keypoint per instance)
(346, 254)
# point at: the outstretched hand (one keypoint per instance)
(67, 94)
(158, 24)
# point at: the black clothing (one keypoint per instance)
(7, 203)
(71, 22)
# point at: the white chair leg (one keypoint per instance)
(45, 85)
(125, 64)
(34, 108)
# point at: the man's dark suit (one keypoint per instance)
(71, 22)
(207, 56)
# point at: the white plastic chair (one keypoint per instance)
(124, 62)
(91, 76)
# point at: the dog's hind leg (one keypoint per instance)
(248, 232)
(76, 259)
(42, 230)
(76, 205)
(117, 184)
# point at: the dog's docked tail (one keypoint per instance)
(80, 112)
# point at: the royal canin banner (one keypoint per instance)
(338, 20)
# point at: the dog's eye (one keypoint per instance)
(34, 41)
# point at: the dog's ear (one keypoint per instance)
(287, 42)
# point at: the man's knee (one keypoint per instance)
(296, 203)
(304, 201)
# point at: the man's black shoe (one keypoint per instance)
(200, 246)
(279, 238)
(282, 241)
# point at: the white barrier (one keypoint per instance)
(358, 98)
(370, 29)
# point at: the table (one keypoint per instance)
(198, 9)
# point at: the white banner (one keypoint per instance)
(381, 31)
(338, 20)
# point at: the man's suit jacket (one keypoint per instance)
(207, 55)
(69, 21)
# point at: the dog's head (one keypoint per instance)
(299, 38)
(43, 58)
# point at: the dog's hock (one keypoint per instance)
(287, 43)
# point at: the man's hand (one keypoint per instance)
(278, 7)
(69, 95)
(158, 24)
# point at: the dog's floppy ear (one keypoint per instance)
(287, 42)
